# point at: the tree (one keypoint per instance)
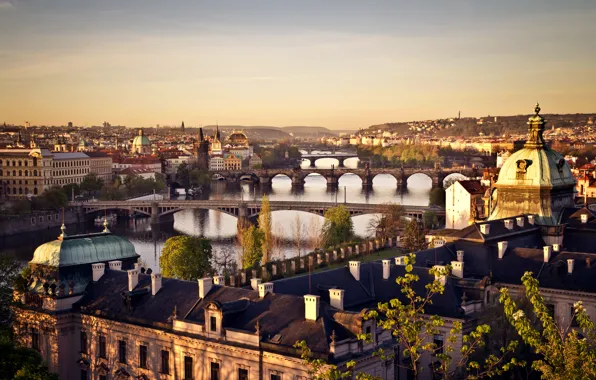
(70, 189)
(430, 219)
(21, 363)
(389, 222)
(413, 239)
(186, 258)
(265, 227)
(338, 226)
(9, 273)
(225, 262)
(252, 243)
(437, 197)
(297, 232)
(51, 199)
(91, 183)
(183, 175)
(564, 352)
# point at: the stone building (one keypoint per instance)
(463, 203)
(100, 164)
(231, 162)
(141, 144)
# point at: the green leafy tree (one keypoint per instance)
(70, 189)
(564, 352)
(437, 197)
(21, 363)
(265, 227)
(199, 177)
(389, 222)
(183, 175)
(91, 183)
(413, 238)
(338, 226)
(186, 258)
(252, 247)
(51, 199)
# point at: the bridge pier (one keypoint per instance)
(243, 219)
(154, 213)
(297, 180)
(367, 181)
(341, 163)
(332, 181)
(312, 162)
(265, 181)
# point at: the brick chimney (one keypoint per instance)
(155, 283)
(205, 285)
(133, 279)
(98, 271)
(502, 245)
(265, 288)
(386, 269)
(311, 307)
(254, 283)
(355, 269)
(336, 298)
(115, 265)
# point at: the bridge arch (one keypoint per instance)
(385, 177)
(419, 180)
(349, 178)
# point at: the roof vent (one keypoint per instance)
(386, 269)
(311, 307)
(520, 221)
(133, 279)
(355, 269)
(400, 260)
(254, 283)
(485, 228)
(336, 298)
(98, 271)
(155, 283)
(219, 280)
(502, 245)
(570, 265)
(115, 265)
(265, 288)
(584, 218)
(556, 247)
(460, 256)
(531, 219)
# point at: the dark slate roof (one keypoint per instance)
(279, 315)
(472, 186)
(498, 231)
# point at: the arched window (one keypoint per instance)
(14, 173)
(26, 173)
(20, 173)
(26, 190)
(26, 163)
(20, 163)
(14, 191)
(14, 163)
(35, 173)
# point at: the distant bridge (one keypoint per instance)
(240, 209)
(340, 157)
(297, 175)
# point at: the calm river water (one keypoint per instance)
(221, 228)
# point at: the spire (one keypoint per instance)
(536, 123)
(62, 228)
(201, 137)
(105, 223)
(216, 137)
(141, 132)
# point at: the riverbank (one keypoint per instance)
(38, 221)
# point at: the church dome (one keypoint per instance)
(238, 138)
(141, 140)
(534, 180)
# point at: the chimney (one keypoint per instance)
(254, 283)
(155, 283)
(336, 298)
(485, 228)
(508, 224)
(460, 256)
(570, 264)
(265, 288)
(438, 243)
(205, 285)
(531, 219)
(400, 260)
(355, 269)
(98, 271)
(137, 266)
(441, 278)
(458, 269)
(502, 245)
(386, 269)
(584, 218)
(311, 307)
(556, 247)
(520, 221)
(547, 249)
(133, 279)
(219, 280)
(115, 265)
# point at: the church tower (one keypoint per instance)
(182, 127)
(202, 151)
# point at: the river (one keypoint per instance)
(221, 228)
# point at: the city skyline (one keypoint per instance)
(340, 65)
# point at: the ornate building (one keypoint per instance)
(534, 180)
(141, 144)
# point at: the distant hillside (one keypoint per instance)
(303, 131)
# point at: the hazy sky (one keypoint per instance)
(338, 64)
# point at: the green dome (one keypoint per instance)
(141, 140)
(536, 168)
(83, 249)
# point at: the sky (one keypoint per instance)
(340, 64)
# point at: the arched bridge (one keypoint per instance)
(340, 157)
(297, 175)
(243, 209)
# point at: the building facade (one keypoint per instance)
(463, 203)
(231, 162)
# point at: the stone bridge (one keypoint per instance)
(297, 175)
(340, 157)
(243, 210)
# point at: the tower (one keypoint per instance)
(182, 127)
(202, 151)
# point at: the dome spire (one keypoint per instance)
(62, 228)
(536, 128)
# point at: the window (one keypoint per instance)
(242, 374)
(187, 368)
(213, 323)
(83, 338)
(83, 374)
(103, 377)
(102, 347)
(35, 339)
(143, 356)
(122, 351)
(438, 341)
(275, 376)
(165, 362)
(214, 371)
(551, 309)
